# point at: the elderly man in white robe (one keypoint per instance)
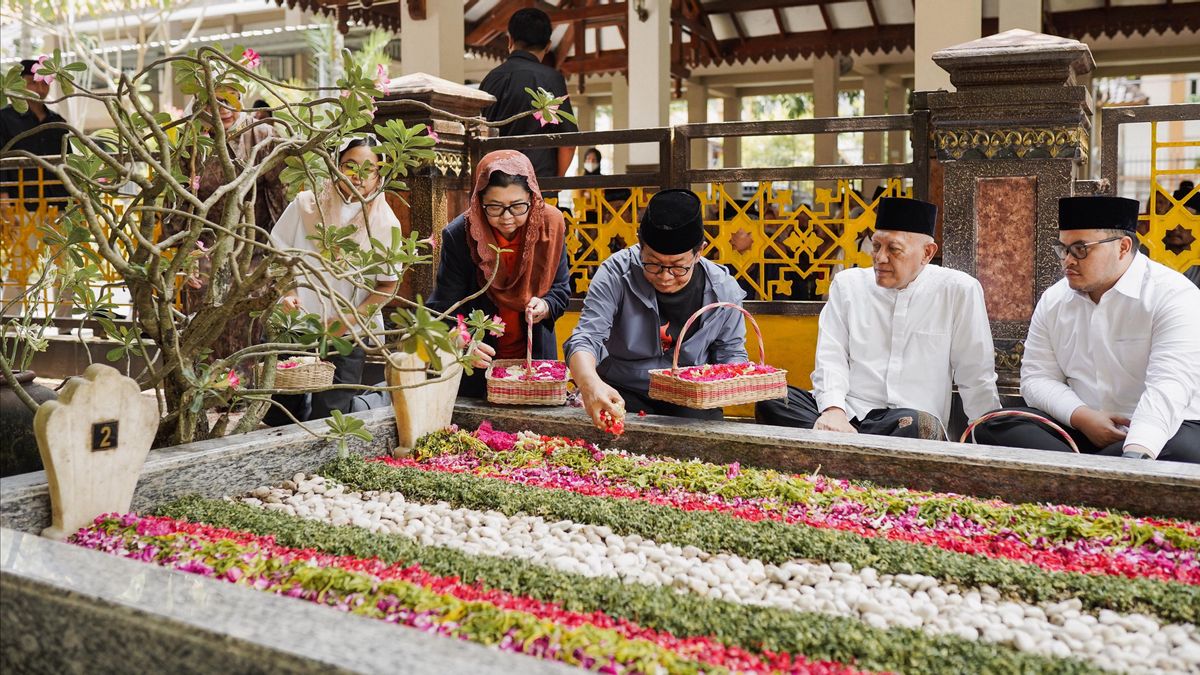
(1113, 352)
(894, 339)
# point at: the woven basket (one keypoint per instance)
(666, 385)
(304, 377)
(525, 392)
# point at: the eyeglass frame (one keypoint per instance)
(506, 209)
(1074, 248)
(670, 269)
(361, 170)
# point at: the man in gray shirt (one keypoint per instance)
(638, 302)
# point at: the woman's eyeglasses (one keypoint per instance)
(361, 171)
(498, 210)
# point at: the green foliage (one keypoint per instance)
(776, 542)
(343, 428)
(13, 90)
(136, 210)
(754, 628)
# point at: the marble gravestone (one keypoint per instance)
(421, 405)
(93, 441)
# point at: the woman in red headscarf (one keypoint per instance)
(507, 211)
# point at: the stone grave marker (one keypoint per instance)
(93, 441)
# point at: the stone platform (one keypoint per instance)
(62, 606)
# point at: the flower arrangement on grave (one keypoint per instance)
(615, 561)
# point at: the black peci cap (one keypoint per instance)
(1098, 213)
(905, 215)
(673, 223)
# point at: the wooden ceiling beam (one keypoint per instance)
(1126, 20)
(825, 18)
(845, 41)
(616, 11)
(614, 60)
(729, 6)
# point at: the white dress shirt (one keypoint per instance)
(1136, 352)
(884, 348)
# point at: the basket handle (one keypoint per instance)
(762, 351)
(528, 339)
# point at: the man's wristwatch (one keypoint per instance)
(1134, 454)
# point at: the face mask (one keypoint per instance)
(590, 166)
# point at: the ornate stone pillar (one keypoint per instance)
(437, 190)
(1011, 140)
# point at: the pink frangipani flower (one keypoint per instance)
(251, 59)
(497, 332)
(543, 120)
(40, 65)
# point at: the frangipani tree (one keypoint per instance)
(122, 191)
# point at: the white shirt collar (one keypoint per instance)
(1130, 283)
(912, 285)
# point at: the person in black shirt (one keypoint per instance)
(47, 142)
(528, 39)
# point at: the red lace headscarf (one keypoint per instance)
(542, 235)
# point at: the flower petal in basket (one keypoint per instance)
(545, 382)
(716, 386)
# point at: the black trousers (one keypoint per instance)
(801, 412)
(636, 402)
(1016, 432)
(321, 404)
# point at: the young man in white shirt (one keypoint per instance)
(893, 339)
(1113, 352)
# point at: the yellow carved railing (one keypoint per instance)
(1171, 227)
(28, 204)
(774, 248)
(29, 208)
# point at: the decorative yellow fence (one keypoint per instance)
(776, 248)
(1171, 223)
(30, 207)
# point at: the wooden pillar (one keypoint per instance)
(697, 102)
(649, 75)
(585, 115)
(1022, 14)
(825, 104)
(731, 147)
(873, 104)
(940, 24)
(897, 141)
(433, 45)
(620, 120)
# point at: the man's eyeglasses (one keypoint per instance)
(497, 210)
(654, 269)
(1078, 250)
